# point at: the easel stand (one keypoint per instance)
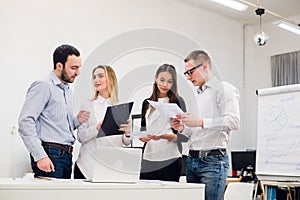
(268, 188)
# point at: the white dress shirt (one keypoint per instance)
(218, 106)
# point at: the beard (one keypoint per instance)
(65, 77)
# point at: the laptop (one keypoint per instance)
(117, 165)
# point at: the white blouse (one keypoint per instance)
(87, 136)
(162, 149)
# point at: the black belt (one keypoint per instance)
(67, 148)
(205, 153)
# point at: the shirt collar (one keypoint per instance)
(209, 84)
(100, 99)
(55, 80)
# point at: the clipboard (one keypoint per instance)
(115, 116)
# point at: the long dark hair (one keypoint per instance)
(173, 92)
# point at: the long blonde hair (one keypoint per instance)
(112, 83)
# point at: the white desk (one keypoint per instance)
(35, 189)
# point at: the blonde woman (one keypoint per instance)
(106, 94)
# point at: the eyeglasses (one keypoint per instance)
(190, 71)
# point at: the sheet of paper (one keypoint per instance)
(139, 134)
(168, 109)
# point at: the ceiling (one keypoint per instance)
(284, 8)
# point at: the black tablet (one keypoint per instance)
(114, 117)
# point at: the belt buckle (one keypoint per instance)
(223, 152)
(203, 154)
(69, 149)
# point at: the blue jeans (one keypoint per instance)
(61, 160)
(210, 170)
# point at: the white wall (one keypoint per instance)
(258, 69)
(30, 30)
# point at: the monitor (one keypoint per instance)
(240, 160)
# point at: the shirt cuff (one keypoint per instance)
(207, 123)
(76, 122)
(127, 140)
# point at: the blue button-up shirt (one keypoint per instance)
(47, 115)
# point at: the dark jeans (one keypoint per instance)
(61, 160)
(169, 170)
(77, 173)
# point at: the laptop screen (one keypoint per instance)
(117, 164)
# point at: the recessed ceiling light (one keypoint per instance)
(232, 4)
(288, 26)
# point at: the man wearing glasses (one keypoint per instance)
(210, 127)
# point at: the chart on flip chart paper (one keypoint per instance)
(278, 131)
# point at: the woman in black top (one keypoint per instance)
(162, 150)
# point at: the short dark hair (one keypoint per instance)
(197, 55)
(62, 52)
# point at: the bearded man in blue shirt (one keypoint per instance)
(46, 121)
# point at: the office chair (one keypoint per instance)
(135, 118)
(238, 191)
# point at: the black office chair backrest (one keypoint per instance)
(136, 127)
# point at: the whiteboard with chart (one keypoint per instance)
(278, 131)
